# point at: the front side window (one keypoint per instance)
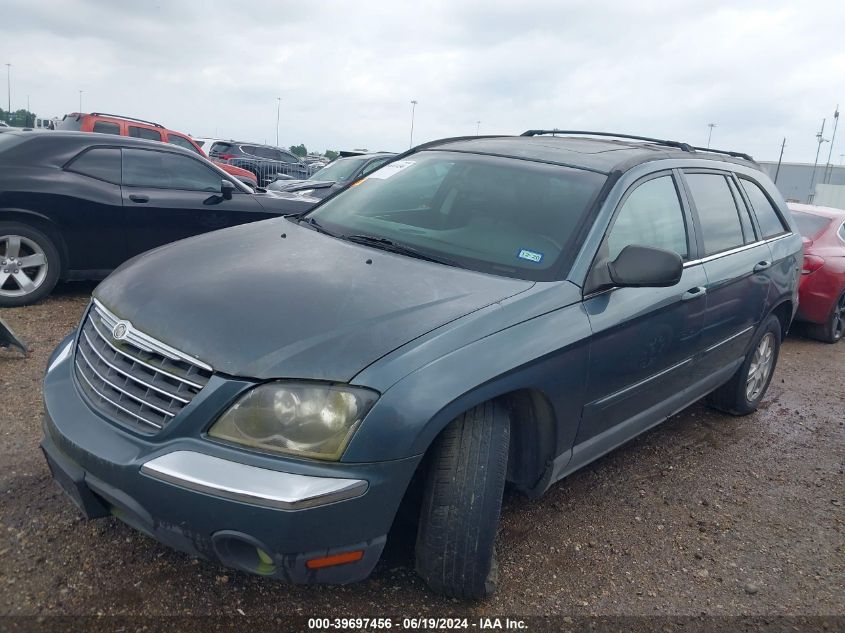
(767, 217)
(650, 216)
(164, 170)
(142, 132)
(498, 215)
(106, 127)
(181, 141)
(717, 212)
(102, 163)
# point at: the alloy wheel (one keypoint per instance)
(23, 266)
(761, 367)
(838, 319)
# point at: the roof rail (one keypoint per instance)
(128, 118)
(686, 147)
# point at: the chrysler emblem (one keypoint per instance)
(120, 330)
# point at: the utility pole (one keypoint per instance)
(820, 136)
(710, 134)
(477, 127)
(278, 111)
(413, 111)
(777, 171)
(27, 112)
(80, 101)
(9, 89)
(828, 167)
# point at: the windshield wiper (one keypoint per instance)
(312, 223)
(389, 245)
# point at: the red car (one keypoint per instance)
(128, 126)
(821, 301)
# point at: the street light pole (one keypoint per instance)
(477, 127)
(413, 111)
(27, 112)
(278, 111)
(710, 135)
(80, 101)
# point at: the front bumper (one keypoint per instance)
(258, 513)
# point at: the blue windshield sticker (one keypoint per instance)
(531, 256)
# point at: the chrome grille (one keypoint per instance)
(132, 378)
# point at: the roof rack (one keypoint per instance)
(686, 147)
(128, 118)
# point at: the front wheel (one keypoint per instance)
(742, 394)
(461, 504)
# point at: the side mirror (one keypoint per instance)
(645, 266)
(227, 189)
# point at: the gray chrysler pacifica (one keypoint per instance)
(479, 311)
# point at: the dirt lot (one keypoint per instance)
(706, 514)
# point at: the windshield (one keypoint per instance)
(340, 170)
(499, 215)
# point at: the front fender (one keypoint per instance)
(548, 353)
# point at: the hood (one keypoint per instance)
(252, 303)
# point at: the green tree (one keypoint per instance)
(330, 154)
(299, 150)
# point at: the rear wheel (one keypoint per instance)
(29, 264)
(455, 551)
(742, 394)
(834, 329)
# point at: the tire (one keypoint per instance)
(736, 396)
(20, 243)
(834, 329)
(462, 500)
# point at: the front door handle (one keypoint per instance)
(137, 197)
(761, 266)
(694, 293)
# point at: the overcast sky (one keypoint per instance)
(346, 71)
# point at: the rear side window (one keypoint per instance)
(106, 127)
(102, 163)
(810, 225)
(164, 170)
(181, 141)
(650, 216)
(249, 149)
(142, 132)
(744, 219)
(767, 217)
(717, 212)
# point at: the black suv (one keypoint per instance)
(268, 163)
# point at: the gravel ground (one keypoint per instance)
(707, 514)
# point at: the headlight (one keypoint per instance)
(296, 418)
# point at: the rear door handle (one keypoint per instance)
(761, 266)
(137, 197)
(694, 293)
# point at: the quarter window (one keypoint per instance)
(142, 132)
(164, 170)
(717, 212)
(106, 127)
(767, 217)
(650, 216)
(102, 163)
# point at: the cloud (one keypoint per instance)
(346, 72)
